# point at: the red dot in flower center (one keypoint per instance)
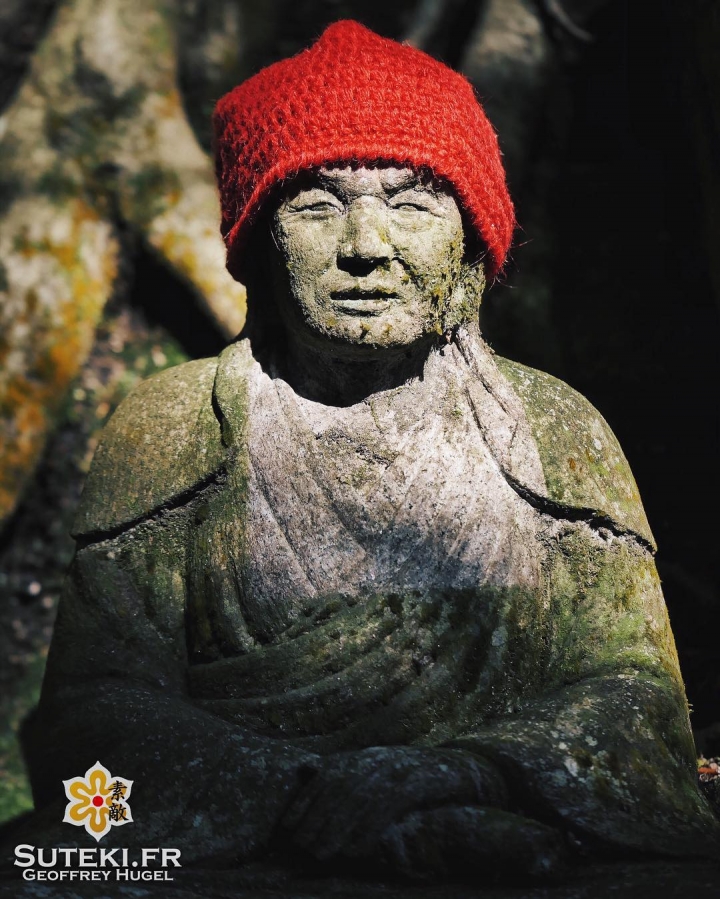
(98, 801)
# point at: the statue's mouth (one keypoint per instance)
(363, 301)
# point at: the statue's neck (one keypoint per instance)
(329, 375)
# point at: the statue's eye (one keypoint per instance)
(317, 203)
(319, 207)
(412, 201)
(418, 207)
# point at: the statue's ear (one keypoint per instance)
(464, 303)
(475, 277)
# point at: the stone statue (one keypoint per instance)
(358, 588)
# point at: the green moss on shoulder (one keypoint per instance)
(162, 441)
(583, 464)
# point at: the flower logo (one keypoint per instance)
(98, 801)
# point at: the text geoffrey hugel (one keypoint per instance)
(95, 863)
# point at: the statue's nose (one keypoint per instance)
(364, 242)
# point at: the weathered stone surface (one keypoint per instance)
(147, 461)
(583, 464)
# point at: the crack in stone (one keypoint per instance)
(90, 538)
(563, 512)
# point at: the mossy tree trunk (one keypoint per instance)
(97, 153)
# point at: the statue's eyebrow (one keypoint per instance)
(324, 182)
(415, 181)
(408, 182)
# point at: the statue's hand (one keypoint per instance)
(466, 841)
(385, 804)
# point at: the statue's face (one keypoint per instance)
(369, 256)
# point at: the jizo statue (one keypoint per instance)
(358, 590)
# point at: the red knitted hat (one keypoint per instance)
(357, 97)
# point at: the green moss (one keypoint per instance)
(360, 476)
(87, 132)
(15, 795)
(57, 185)
(152, 190)
(583, 464)
(607, 609)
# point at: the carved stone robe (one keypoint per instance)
(463, 561)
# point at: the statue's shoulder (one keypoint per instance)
(162, 442)
(583, 463)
